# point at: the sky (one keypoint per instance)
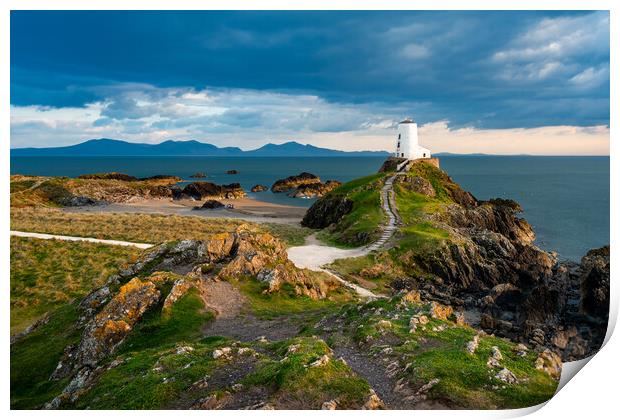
(475, 82)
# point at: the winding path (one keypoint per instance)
(78, 238)
(315, 256)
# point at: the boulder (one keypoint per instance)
(198, 175)
(201, 190)
(292, 182)
(259, 188)
(550, 363)
(107, 330)
(314, 190)
(210, 205)
(232, 172)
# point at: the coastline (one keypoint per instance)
(245, 208)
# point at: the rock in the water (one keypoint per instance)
(202, 190)
(259, 188)
(198, 175)
(292, 182)
(232, 172)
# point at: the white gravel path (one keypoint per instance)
(315, 256)
(77, 238)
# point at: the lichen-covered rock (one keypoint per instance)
(108, 328)
(373, 402)
(179, 289)
(417, 184)
(549, 362)
(439, 311)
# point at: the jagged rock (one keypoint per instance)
(259, 188)
(417, 184)
(417, 320)
(507, 376)
(521, 350)
(330, 405)
(212, 402)
(439, 311)
(178, 290)
(595, 282)
(549, 362)
(494, 359)
(321, 361)
(210, 205)
(373, 402)
(460, 319)
(292, 182)
(472, 345)
(274, 278)
(223, 352)
(202, 190)
(107, 330)
(326, 211)
(413, 296)
(314, 190)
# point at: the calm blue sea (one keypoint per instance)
(566, 199)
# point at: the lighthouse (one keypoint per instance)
(407, 142)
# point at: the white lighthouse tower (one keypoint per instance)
(407, 142)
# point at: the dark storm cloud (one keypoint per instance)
(485, 69)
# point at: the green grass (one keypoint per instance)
(361, 225)
(135, 384)
(46, 274)
(34, 358)
(182, 322)
(286, 301)
(465, 380)
(299, 386)
(292, 235)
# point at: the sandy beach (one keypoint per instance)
(244, 208)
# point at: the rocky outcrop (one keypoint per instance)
(232, 172)
(207, 190)
(109, 175)
(314, 190)
(594, 280)
(292, 182)
(210, 205)
(259, 188)
(108, 328)
(198, 175)
(417, 184)
(326, 211)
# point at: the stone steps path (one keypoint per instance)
(79, 238)
(314, 256)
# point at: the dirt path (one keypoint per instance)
(315, 256)
(78, 238)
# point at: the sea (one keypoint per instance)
(565, 199)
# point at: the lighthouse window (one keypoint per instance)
(399, 137)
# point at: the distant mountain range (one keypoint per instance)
(109, 147)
